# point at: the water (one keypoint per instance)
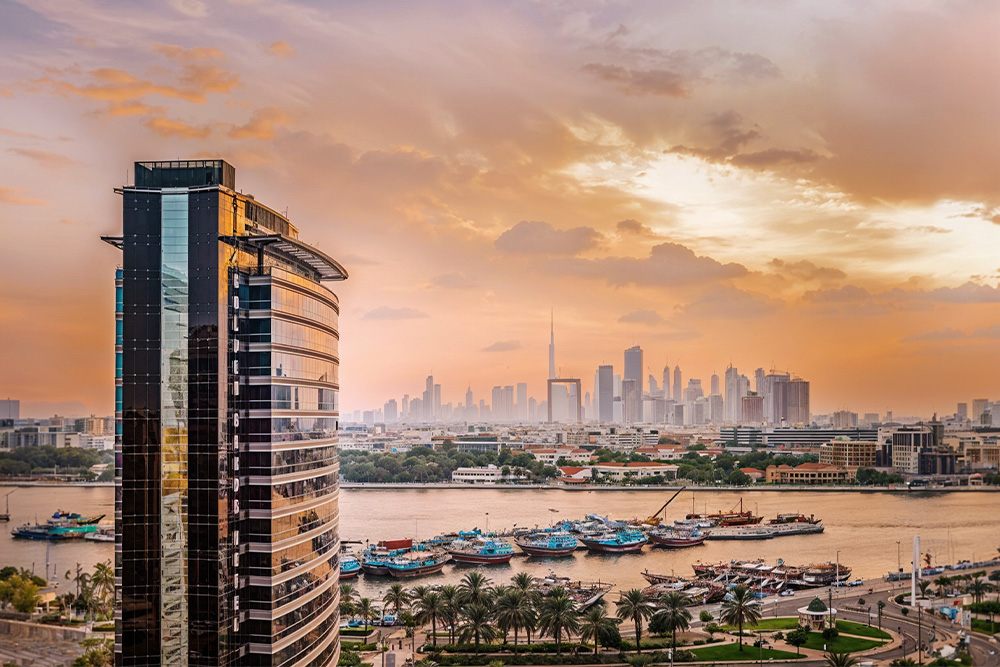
(863, 527)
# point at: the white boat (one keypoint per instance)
(102, 534)
(757, 532)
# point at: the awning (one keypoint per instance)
(323, 264)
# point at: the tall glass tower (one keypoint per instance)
(227, 406)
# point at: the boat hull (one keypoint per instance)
(350, 575)
(378, 570)
(480, 559)
(675, 542)
(416, 571)
(546, 551)
(600, 547)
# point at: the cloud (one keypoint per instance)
(133, 108)
(281, 49)
(944, 334)
(726, 302)
(643, 316)
(641, 82)
(261, 125)
(452, 281)
(540, 238)
(774, 157)
(805, 270)
(668, 265)
(193, 8)
(44, 158)
(196, 54)
(13, 196)
(503, 346)
(166, 127)
(635, 227)
(387, 313)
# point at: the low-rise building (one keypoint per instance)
(809, 473)
(575, 474)
(849, 453)
(490, 474)
(552, 456)
(635, 470)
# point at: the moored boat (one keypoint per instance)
(350, 567)
(743, 532)
(50, 531)
(676, 539)
(102, 534)
(547, 544)
(375, 559)
(626, 540)
(486, 551)
(415, 564)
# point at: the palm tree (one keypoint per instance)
(476, 625)
(556, 616)
(525, 582)
(675, 614)
(995, 578)
(834, 659)
(923, 586)
(593, 623)
(514, 611)
(418, 592)
(367, 610)
(633, 604)
(451, 598)
(941, 582)
(739, 607)
(881, 605)
(977, 588)
(347, 594)
(475, 589)
(430, 607)
(102, 581)
(396, 597)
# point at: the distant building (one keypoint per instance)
(678, 387)
(635, 470)
(752, 411)
(10, 412)
(490, 474)
(791, 401)
(631, 402)
(809, 473)
(963, 411)
(522, 402)
(391, 411)
(714, 384)
(845, 419)
(849, 453)
(633, 370)
(605, 391)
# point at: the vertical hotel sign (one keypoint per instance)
(236, 402)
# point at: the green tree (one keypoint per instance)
(705, 616)
(797, 637)
(594, 624)
(366, 609)
(430, 607)
(475, 589)
(881, 605)
(513, 610)
(635, 606)
(26, 598)
(977, 588)
(451, 598)
(476, 624)
(834, 659)
(396, 597)
(556, 616)
(103, 583)
(674, 614)
(740, 606)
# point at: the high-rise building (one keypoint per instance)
(10, 409)
(678, 387)
(437, 402)
(605, 391)
(752, 409)
(792, 401)
(427, 399)
(654, 387)
(404, 407)
(633, 371)
(734, 403)
(666, 381)
(631, 402)
(758, 381)
(714, 384)
(522, 401)
(226, 511)
(771, 413)
(716, 409)
(390, 411)
(552, 347)
(979, 408)
(693, 391)
(963, 411)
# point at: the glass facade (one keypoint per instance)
(226, 397)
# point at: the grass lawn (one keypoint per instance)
(732, 652)
(840, 644)
(983, 625)
(862, 629)
(783, 623)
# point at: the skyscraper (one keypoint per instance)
(771, 411)
(633, 370)
(792, 401)
(226, 513)
(758, 381)
(605, 393)
(552, 346)
(654, 387)
(666, 381)
(522, 401)
(734, 403)
(714, 384)
(678, 387)
(427, 399)
(468, 397)
(631, 402)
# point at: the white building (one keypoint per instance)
(490, 474)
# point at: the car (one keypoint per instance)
(786, 593)
(857, 582)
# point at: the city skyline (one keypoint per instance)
(628, 165)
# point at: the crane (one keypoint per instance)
(654, 518)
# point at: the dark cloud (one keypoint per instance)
(387, 313)
(503, 346)
(644, 316)
(530, 237)
(726, 302)
(805, 270)
(774, 157)
(668, 265)
(641, 82)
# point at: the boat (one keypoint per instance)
(350, 567)
(671, 538)
(742, 532)
(547, 544)
(628, 540)
(584, 594)
(415, 564)
(483, 551)
(53, 531)
(730, 518)
(794, 518)
(695, 591)
(102, 534)
(6, 498)
(795, 528)
(375, 559)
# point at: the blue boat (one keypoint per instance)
(626, 540)
(350, 567)
(547, 544)
(416, 564)
(484, 551)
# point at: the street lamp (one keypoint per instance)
(899, 562)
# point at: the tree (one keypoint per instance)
(430, 607)
(881, 605)
(514, 611)
(941, 582)
(556, 616)
(797, 637)
(977, 588)
(102, 582)
(834, 659)
(396, 597)
(475, 589)
(705, 616)
(525, 582)
(740, 606)
(594, 624)
(923, 586)
(674, 614)
(367, 610)
(635, 606)
(347, 599)
(476, 624)
(451, 599)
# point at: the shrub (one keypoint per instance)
(830, 633)
(705, 616)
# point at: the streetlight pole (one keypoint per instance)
(899, 562)
(920, 647)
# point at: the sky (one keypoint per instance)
(812, 187)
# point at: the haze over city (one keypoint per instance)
(806, 186)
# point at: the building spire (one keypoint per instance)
(552, 345)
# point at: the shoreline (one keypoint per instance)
(664, 488)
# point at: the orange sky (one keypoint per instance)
(814, 186)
